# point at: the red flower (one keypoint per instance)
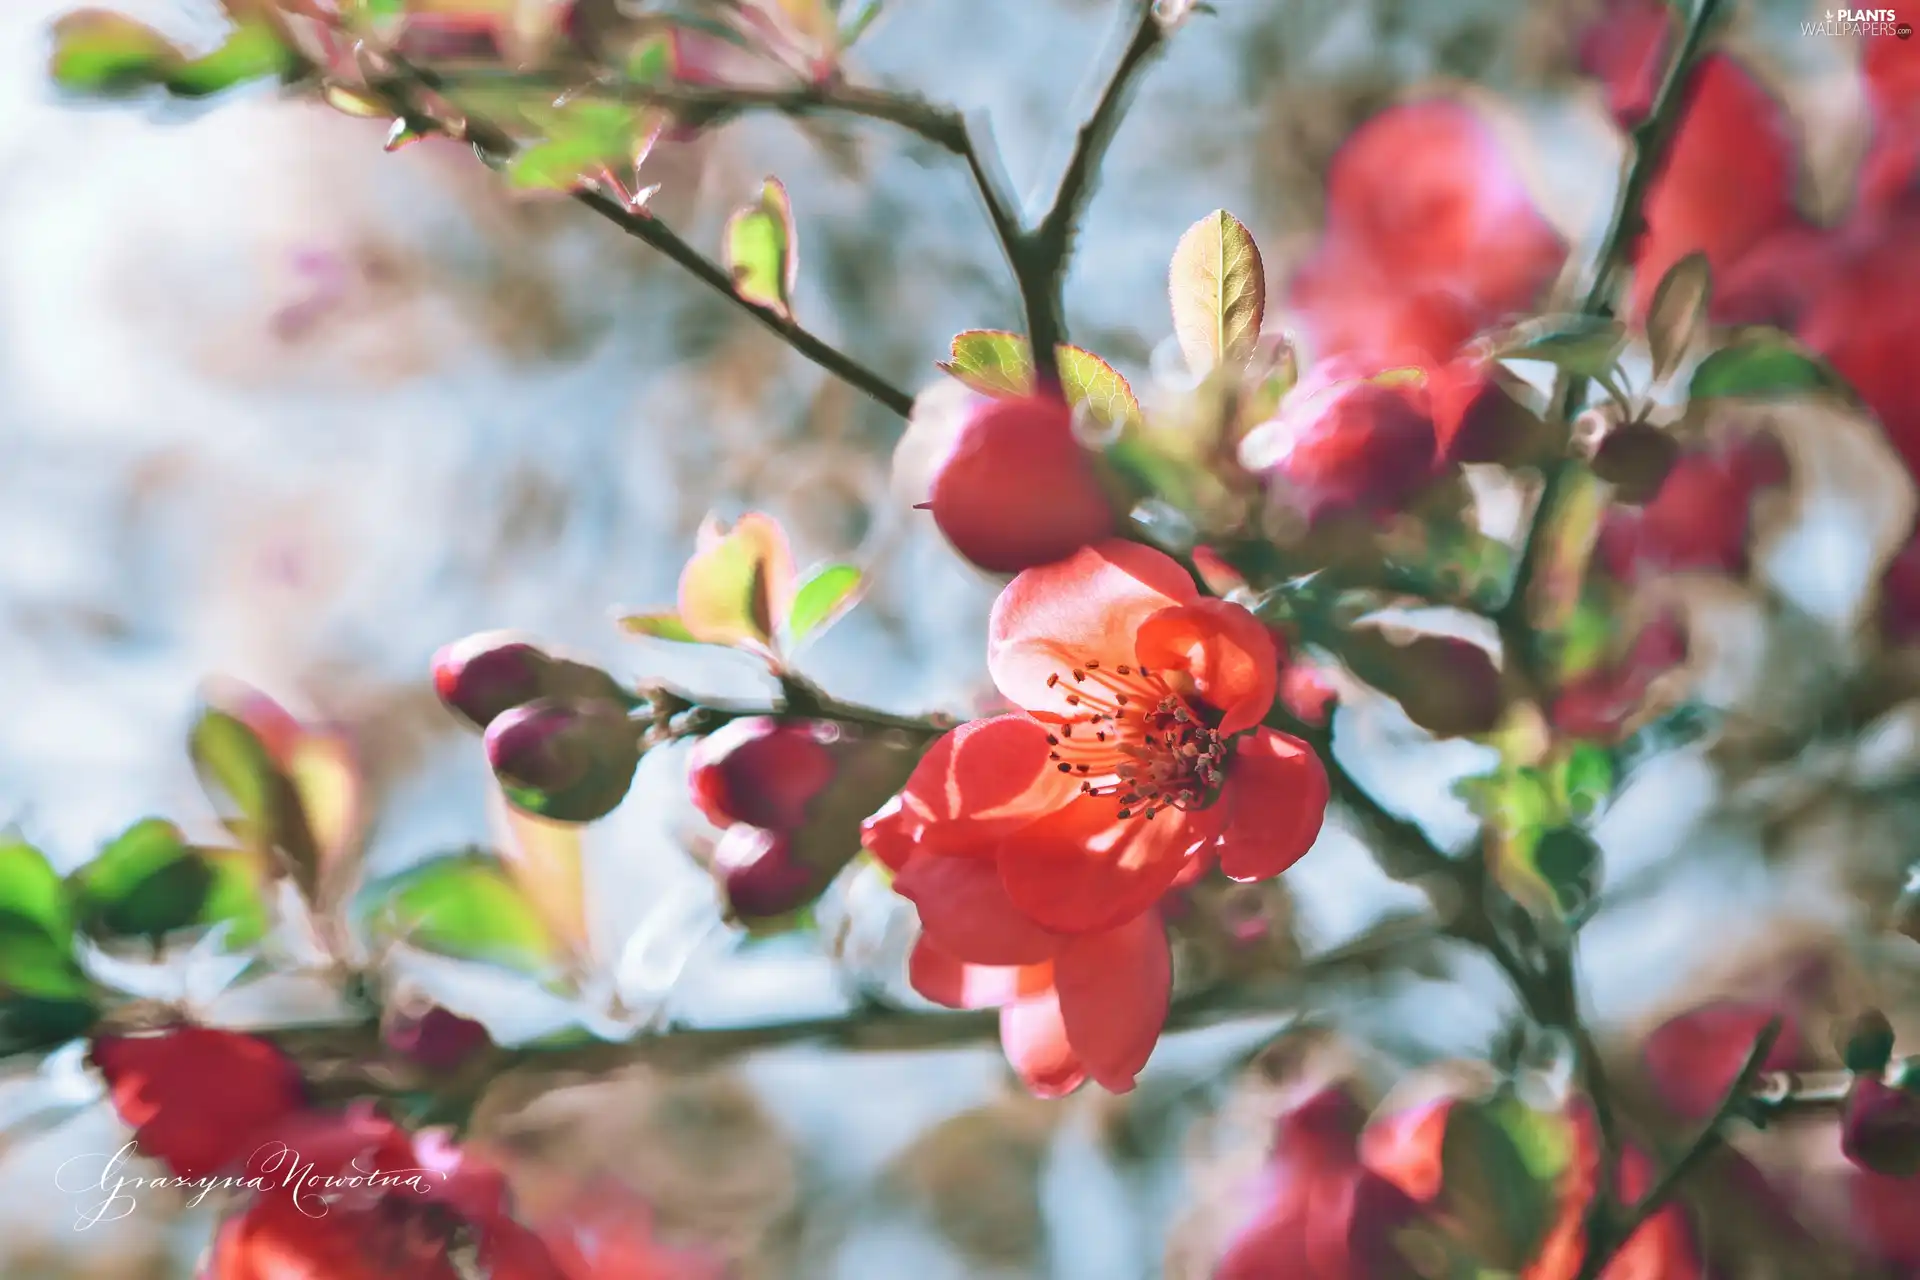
(1893, 92)
(1700, 518)
(195, 1096)
(1320, 1213)
(1140, 748)
(1072, 1007)
(1880, 1128)
(1662, 1249)
(1692, 1059)
(1431, 238)
(352, 1196)
(1599, 704)
(1346, 439)
(1627, 51)
(608, 1235)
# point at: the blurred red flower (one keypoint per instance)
(1692, 1059)
(1139, 750)
(1702, 516)
(196, 1096)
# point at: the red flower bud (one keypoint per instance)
(436, 1038)
(1344, 442)
(1692, 1060)
(759, 875)
(571, 761)
(1017, 489)
(485, 675)
(762, 771)
(1699, 518)
(1448, 686)
(1880, 1128)
(196, 1096)
(1636, 458)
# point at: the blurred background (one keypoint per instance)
(279, 406)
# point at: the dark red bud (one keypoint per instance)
(762, 771)
(1016, 489)
(436, 1038)
(1346, 444)
(1448, 686)
(1880, 1128)
(571, 761)
(759, 875)
(484, 675)
(1636, 458)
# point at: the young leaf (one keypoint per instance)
(1568, 863)
(738, 584)
(657, 626)
(100, 52)
(32, 890)
(1218, 288)
(1504, 1208)
(1678, 314)
(763, 254)
(465, 906)
(145, 883)
(826, 594)
(1761, 364)
(36, 927)
(584, 138)
(1086, 377)
(992, 362)
(253, 51)
(257, 802)
(1585, 345)
(1583, 781)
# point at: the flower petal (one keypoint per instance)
(1113, 991)
(1089, 606)
(965, 909)
(1277, 801)
(982, 780)
(958, 985)
(1734, 139)
(1226, 652)
(1035, 1039)
(1083, 868)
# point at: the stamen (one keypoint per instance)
(1149, 750)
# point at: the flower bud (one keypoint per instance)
(1016, 489)
(759, 875)
(762, 771)
(436, 1038)
(1636, 458)
(1880, 1128)
(1345, 443)
(567, 760)
(1866, 1043)
(484, 675)
(1448, 686)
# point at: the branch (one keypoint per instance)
(1705, 1144)
(494, 147)
(1650, 141)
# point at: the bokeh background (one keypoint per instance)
(277, 405)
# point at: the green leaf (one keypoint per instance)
(32, 890)
(583, 137)
(100, 52)
(738, 583)
(258, 803)
(145, 883)
(1502, 1204)
(1763, 364)
(856, 18)
(763, 254)
(29, 1025)
(1218, 288)
(253, 51)
(821, 599)
(1677, 316)
(652, 61)
(1568, 863)
(992, 362)
(1583, 780)
(1086, 378)
(1585, 345)
(236, 896)
(465, 906)
(657, 626)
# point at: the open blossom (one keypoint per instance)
(1139, 748)
(195, 1096)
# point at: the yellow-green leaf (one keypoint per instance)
(544, 858)
(820, 600)
(1218, 287)
(1086, 378)
(465, 906)
(1678, 313)
(763, 255)
(992, 362)
(584, 138)
(101, 52)
(738, 584)
(657, 626)
(253, 51)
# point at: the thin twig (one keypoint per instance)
(495, 147)
(1704, 1144)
